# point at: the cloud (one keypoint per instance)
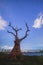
(38, 22)
(3, 23)
(6, 47)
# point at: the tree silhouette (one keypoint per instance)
(16, 52)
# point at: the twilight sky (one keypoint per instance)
(18, 12)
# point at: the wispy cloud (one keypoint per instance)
(38, 22)
(3, 23)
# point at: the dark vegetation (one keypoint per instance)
(28, 60)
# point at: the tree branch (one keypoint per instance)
(25, 33)
(19, 29)
(16, 30)
(11, 32)
(12, 26)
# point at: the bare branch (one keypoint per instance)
(27, 27)
(19, 29)
(12, 26)
(16, 30)
(26, 34)
(11, 32)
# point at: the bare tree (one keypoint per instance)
(16, 52)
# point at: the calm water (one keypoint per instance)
(33, 54)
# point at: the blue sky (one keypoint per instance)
(18, 12)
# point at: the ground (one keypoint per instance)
(28, 60)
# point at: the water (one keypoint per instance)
(33, 54)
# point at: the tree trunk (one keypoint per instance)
(16, 52)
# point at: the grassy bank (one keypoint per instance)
(28, 60)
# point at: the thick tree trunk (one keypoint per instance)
(16, 52)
